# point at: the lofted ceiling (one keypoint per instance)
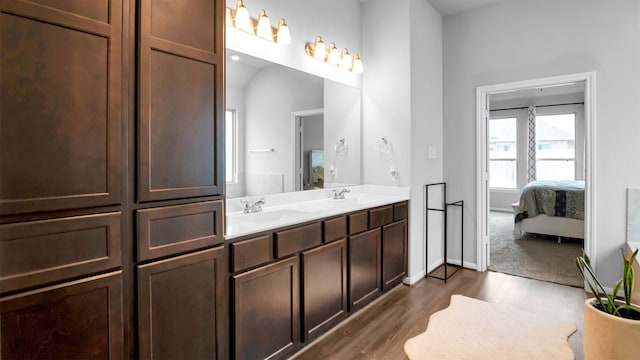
(450, 7)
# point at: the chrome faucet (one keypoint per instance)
(340, 194)
(251, 206)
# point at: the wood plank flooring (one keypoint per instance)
(380, 330)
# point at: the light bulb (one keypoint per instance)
(242, 19)
(334, 54)
(264, 26)
(357, 64)
(319, 51)
(346, 62)
(283, 36)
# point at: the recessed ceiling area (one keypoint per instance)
(450, 7)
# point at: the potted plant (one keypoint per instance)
(611, 326)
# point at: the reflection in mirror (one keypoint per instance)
(282, 127)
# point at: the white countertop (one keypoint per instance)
(293, 208)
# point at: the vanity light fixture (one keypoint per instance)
(332, 56)
(240, 19)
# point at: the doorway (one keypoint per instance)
(484, 95)
(308, 160)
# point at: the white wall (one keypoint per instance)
(386, 90)
(282, 91)
(342, 120)
(562, 37)
(336, 21)
(426, 130)
(402, 100)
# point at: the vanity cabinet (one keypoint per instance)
(289, 286)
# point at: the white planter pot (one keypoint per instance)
(609, 337)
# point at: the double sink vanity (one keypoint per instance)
(306, 261)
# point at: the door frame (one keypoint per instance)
(482, 174)
(297, 145)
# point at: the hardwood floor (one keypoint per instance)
(380, 330)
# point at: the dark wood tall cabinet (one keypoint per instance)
(60, 108)
(111, 179)
(181, 95)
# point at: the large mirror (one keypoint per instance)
(288, 130)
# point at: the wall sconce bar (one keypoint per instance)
(331, 55)
(261, 27)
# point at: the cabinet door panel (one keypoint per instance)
(181, 99)
(394, 253)
(77, 320)
(364, 268)
(34, 253)
(324, 288)
(60, 109)
(181, 308)
(266, 311)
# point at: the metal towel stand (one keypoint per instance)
(444, 210)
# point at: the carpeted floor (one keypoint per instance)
(533, 256)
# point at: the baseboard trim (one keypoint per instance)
(413, 279)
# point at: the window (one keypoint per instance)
(502, 153)
(556, 147)
(231, 159)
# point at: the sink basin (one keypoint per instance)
(270, 216)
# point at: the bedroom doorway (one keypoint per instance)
(503, 163)
(308, 147)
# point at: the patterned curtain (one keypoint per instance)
(531, 163)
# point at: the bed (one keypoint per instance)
(551, 208)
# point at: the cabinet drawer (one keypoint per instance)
(400, 211)
(358, 222)
(38, 252)
(335, 229)
(249, 253)
(174, 229)
(380, 216)
(295, 240)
